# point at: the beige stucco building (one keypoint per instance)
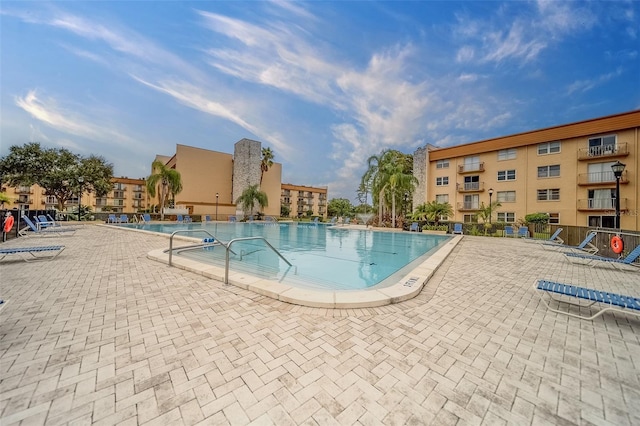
(127, 196)
(212, 181)
(303, 199)
(564, 171)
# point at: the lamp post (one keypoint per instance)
(490, 195)
(217, 195)
(80, 181)
(618, 168)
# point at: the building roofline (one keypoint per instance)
(594, 126)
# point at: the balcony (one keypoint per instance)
(470, 187)
(23, 190)
(471, 168)
(601, 178)
(604, 151)
(601, 204)
(468, 207)
(24, 200)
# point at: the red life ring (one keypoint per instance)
(617, 245)
(8, 224)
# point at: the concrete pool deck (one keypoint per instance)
(103, 335)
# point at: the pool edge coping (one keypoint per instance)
(406, 288)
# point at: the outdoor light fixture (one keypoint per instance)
(490, 195)
(80, 181)
(618, 168)
(217, 205)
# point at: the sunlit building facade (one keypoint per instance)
(564, 171)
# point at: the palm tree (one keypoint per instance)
(399, 182)
(376, 179)
(169, 181)
(485, 211)
(434, 210)
(250, 196)
(266, 163)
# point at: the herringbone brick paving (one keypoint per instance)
(102, 335)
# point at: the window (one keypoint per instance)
(602, 198)
(471, 202)
(472, 183)
(442, 198)
(548, 194)
(507, 154)
(506, 196)
(506, 175)
(602, 221)
(442, 181)
(472, 163)
(549, 171)
(508, 217)
(470, 218)
(442, 164)
(600, 172)
(548, 148)
(602, 145)
(554, 218)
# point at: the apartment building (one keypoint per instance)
(127, 196)
(212, 181)
(564, 171)
(304, 199)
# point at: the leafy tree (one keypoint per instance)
(250, 196)
(266, 162)
(537, 218)
(167, 179)
(4, 198)
(57, 171)
(285, 210)
(339, 207)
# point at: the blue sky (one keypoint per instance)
(324, 84)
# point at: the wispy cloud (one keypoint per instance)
(589, 84)
(68, 121)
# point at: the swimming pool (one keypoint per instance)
(324, 257)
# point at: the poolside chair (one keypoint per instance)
(124, 218)
(315, 220)
(413, 227)
(509, 231)
(112, 219)
(585, 245)
(554, 239)
(333, 220)
(22, 252)
(41, 222)
(523, 232)
(457, 228)
(55, 230)
(614, 302)
(232, 219)
(146, 218)
(594, 260)
(179, 218)
(347, 221)
(207, 218)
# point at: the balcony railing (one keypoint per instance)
(601, 178)
(600, 204)
(468, 206)
(24, 200)
(469, 168)
(23, 190)
(619, 149)
(470, 187)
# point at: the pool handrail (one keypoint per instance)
(228, 247)
(180, 231)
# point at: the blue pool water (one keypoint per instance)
(324, 257)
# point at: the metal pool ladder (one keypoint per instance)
(227, 247)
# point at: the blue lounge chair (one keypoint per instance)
(124, 218)
(187, 219)
(523, 232)
(112, 219)
(22, 252)
(179, 218)
(333, 220)
(585, 245)
(594, 260)
(457, 228)
(146, 218)
(207, 218)
(509, 231)
(347, 221)
(232, 219)
(315, 220)
(43, 221)
(55, 230)
(413, 227)
(554, 239)
(614, 302)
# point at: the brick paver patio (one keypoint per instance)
(102, 335)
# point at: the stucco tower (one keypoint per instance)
(247, 155)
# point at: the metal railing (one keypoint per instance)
(185, 231)
(228, 247)
(603, 151)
